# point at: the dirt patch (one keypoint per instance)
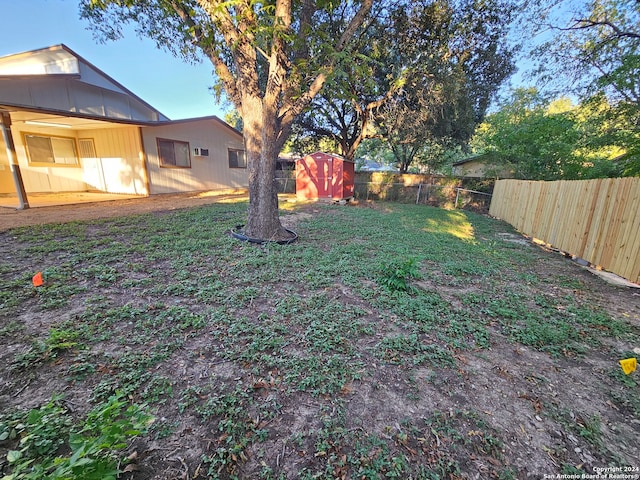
(12, 218)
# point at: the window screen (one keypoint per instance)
(237, 159)
(56, 150)
(173, 153)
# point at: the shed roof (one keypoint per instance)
(324, 154)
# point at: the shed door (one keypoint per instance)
(324, 177)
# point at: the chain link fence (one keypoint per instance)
(444, 196)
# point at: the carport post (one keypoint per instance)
(13, 160)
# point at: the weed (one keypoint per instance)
(590, 429)
(59, 339)
(105, 275)
(157, 389)
(401, 348)
(51, 446)
(163, 428)
(40, 431)
(82, 367)
(236, 429)
(11, 328)
(396, 276)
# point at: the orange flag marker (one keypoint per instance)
(38, 280)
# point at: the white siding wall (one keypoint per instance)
(6, 178)
(45, 178)
(117, 168)
(206, 173)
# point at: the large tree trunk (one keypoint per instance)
(262, 149)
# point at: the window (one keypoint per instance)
(173, 153)
(237, 159)
(51, 150)
(87, 148)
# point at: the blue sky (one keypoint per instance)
(177, 89)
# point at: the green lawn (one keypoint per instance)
(390, 341)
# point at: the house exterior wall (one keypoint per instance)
(6, 179)
(38, 178)
(470, 169)
(119, 163)
(206, 172)
(117, 167)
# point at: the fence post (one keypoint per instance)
(455, 205)
(418, 197)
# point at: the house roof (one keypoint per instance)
(376, 166)
(475, 158)
(55, 82)
(213, 118)
(57, 79)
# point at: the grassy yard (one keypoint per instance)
(391, 341)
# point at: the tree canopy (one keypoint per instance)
(542, 139)
(593, 52)
(426, 73)
(271, 58)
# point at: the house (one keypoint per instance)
(69, 127)
(480, 166)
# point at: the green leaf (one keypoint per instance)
(13, 456)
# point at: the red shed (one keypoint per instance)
(324, 176)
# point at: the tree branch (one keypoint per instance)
(291, 111)
(585, 23)
(239, 40)
(357, 20)
(222, 69)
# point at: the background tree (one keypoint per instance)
(460, 57)
(539, 139)
(233, 118)
(416, 125)
(271, 58)
(426, 72)
(593, 52)
(342, 114)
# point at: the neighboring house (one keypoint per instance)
(76, 129)
(287, 161)
(480, 166)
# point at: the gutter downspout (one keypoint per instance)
(13, 160)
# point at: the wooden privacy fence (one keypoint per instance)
(597, 220)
